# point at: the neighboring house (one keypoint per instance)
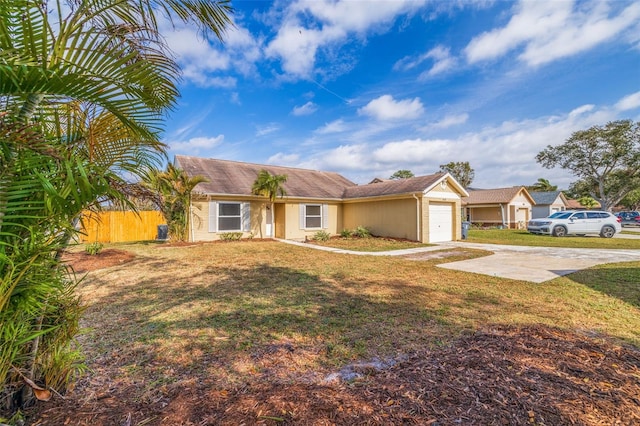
(507, 207)
(423, 208)
(547, 203)
(575, 205)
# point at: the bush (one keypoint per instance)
(231, 236)
(94, 248)
(321, 236)
(362, 232)
(346, 233)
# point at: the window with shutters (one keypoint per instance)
(312, 216)
(229, 217)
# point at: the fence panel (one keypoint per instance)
(119, 226)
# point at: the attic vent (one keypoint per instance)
(443, 184)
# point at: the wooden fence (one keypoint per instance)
(119, 226)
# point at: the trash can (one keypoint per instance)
(163, 232)
(465, 229)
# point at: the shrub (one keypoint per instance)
(94, 248)
(321, 236)
(231, 236)
(346, 233)
(362, 232)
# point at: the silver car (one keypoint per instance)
(564, 223)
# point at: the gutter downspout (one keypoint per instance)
(417, 218)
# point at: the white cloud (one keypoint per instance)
(204, 62)
(502, 155)
(197, 144)
(267, 129)
(310, 26)
(306, 109)
(450, 121)
(443, 61)
(550, 30)
(281, 159)
(335, 126)
(387, 108)
(581, 110)
(629, 102)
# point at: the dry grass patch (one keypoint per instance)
(227, 315)
(372, 244)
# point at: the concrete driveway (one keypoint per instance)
(535, 264)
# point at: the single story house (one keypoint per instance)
(506, 207)
(547, 203)
(424, 208)
(575, 205)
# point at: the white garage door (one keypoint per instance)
(440, 222)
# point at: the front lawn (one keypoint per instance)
(372, 244)
(257, 328)
(524, 238)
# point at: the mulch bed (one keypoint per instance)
(501, 375)
(83, 262)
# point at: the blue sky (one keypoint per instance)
(368, 87)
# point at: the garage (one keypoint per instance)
(440, 222)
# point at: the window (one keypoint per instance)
(228, 216)
(313, 216)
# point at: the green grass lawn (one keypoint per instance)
(236, 311)
(524, 238)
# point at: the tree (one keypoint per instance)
(84, 87)
(175, 187)
(402, 174)
(587, 202)
(542, 185)
(632, 200)
(461, 171)
(606, 160)
(270, 186)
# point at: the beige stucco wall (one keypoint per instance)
(286, 218)
(390, 218)
(200, 219)
(290, 212)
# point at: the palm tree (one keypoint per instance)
(270, 186)
(175, 187)
(84, 87)
(543, 185)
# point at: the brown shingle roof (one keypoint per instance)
(391, 187)
(236, 178)
(492, 196)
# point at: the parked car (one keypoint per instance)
(629, 218)
(564, 223)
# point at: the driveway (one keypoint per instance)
(535, 264)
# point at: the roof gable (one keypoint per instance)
(496, 196)
(548, 197)
(393, 187)
(236, 178)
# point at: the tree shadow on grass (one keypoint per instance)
(620, 280)
(235, 322)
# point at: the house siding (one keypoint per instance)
(394, 218)
(200, 219)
